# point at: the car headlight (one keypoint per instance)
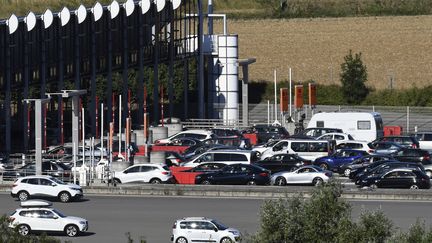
(234, 232)
(83, 222)
(76, 189)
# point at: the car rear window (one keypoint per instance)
(238, 157)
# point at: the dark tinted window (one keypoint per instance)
(45, 182)
(33, 181)
(299, 146)
(238, 157)
(222, 157)
(146, 168)
(133, 169)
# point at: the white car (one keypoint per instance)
(45, 186)
(197, 134)
(37, 215)
(355, 144)
(310, 174)
(149, 173)
(335, 136)
(201, 229)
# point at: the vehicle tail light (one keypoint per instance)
(263, 174)
(11, 219)
(174, 225)
(14, 185)
(328, 174)
(426, 157)
(414, 145)
(165, 173)
(178, 160)
(371, 151)
(156, 142)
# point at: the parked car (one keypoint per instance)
(336, 160)
(227, 133)
(185, 142)
(45, 186)
(355, 144)
(405, 141)
(52, 168)
(266, 132)
(424, 139)
(206, 167)
(386, 167)
(315, 132)
(358, 164)
(197, 150)
(397, 178)
(283, 162)
(148, 173)
(173, 158)
(386, 147)
(38, 216)
(311, 175)
(197, 134)
(306, 148)
(335, 136)
(201, 229)
(413, 155)
(222, 156)
(236, 174)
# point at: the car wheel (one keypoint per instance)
(226, 240)
(280, 181)
(251, 183)
(64, 197)
(155, 181)
(317, 181)
(71, 230)
(324, 166)
(23, 196)
(414, 187)
(205, 182)
(347, 172)
(181, 240)
(373, 186)
(23, 229)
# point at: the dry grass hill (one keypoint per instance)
(398, 47)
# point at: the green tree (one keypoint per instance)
(353, 78)
(324, 217)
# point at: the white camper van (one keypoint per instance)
(366, 126)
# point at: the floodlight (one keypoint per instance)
(30, 21)
(97, 11)
(114, 9)
(64, 16)
(47, 18)
(145, 6)
(81, 13)
(129, 6)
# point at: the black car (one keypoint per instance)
(283, 162)
(236, 174)
(266, 132)
(398, 178)
(227, 133)
(386, 167)
(413, 155)
(405, 141)
(362, 162)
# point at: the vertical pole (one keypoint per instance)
(7, 101)
(102, 131)
(275, 96)
(290, 93)
(77, 56)
(125, 69)
(111, 135)
(45, 107)
(156, 31)
(94, 98)
(75, 123)
(201, 114)
(120, 124)
(171, 66)
(83, 133)
(245, 96)
(140, 69)
(268, 112)
(61, 104)
(38, 135)
(74, 147)
(408, 120)
(127, 134)
(26, 110)
(110, 101)
(97, 116)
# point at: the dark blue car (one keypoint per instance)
(236, 174)
(339, 158)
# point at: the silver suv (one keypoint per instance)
(201, 229)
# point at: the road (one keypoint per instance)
(111, 217)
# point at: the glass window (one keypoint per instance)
(133, 169)
(146, 168)
(45, 182)
(30, 213)
(305, 170)
(207, 226)
(320, 123)
(326, 137)
(33, 181)
(219, 225)
(339, 137)
(238, 157)
(222, 157)
(427, 137)
(350, 137)
(392, 175)
(46, 214)
(299, 146)
(318, 147)
(363, 125)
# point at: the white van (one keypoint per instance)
(222, 156)
(306, 148)
(366, 126)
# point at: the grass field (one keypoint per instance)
(397, 47)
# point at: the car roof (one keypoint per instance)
(36, 203)
(36, 176)
(195, 218)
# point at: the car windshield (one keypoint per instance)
(60, 214)
(220, 226)
(58, 181)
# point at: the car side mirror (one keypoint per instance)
(53, 184)
(216, 229)
(55, 217)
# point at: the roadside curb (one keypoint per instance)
(261, 192)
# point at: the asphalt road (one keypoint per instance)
(110, 217)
